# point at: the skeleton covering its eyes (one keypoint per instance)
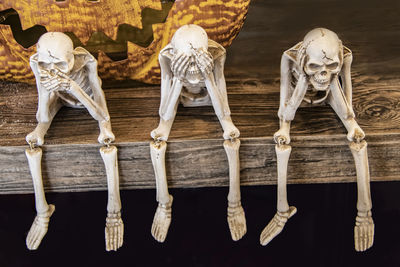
(192, 73)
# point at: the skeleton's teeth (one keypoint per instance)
(321, 81)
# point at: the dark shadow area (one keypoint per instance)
(320, 234)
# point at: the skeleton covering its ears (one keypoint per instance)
(315, 71)
(192, 72)
(68, 77)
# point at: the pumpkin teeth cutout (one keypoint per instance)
(127, 42)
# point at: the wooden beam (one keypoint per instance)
(195, 155)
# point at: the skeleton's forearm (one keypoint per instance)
(220, 104)
(288, 110)
(94, 109)
(170, 99)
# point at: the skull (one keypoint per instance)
(323, 57)
(55, 52)
(191, 41)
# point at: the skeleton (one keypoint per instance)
(192, 70)
(68, 77)
(317, 71)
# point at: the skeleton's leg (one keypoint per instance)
(364, 227)
(34, 155)
(284, 212)
(162, 217)
(44, 211)
(114, 230)
(236, 216)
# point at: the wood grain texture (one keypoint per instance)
(195, 155)
(222, 20)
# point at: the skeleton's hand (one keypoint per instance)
(355, 134)
(179, 65)
(54, 80)
(204, 60)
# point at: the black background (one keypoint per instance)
(320, 234)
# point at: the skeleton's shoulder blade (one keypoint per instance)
(82, 58)
(215, 49)
(293, 52)
(346, 52)
(167, 51)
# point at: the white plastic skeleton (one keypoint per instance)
(68, 77)
(192, 72)
(315, 71)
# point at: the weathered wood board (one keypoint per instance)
(195, 156)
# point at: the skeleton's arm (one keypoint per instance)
(219, 77)
(95, 84)
(289, 102)
(215, 79)
(171, 86)
(43, 111)
(345, 75)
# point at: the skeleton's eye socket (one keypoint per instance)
(332, 66)
(44, 65)
(314, 67)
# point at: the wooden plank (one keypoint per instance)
(195, 156)
(196, 163)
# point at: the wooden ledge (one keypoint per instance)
(195, 155)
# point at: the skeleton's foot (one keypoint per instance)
(161, 133)
(106, 134)
(114, 231)
(236, 221)
(161, 221)
(39, 228)
(276, 225)
(364, 231)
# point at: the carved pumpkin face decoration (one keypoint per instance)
(125, 35)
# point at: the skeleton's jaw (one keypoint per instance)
(193, 76)
(319, 84)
